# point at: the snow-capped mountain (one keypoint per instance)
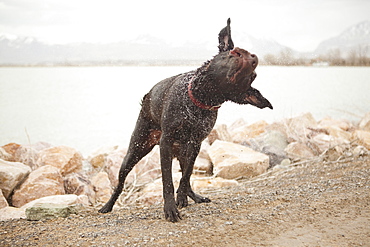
(355, 38)
(143, 49)
(153, 50)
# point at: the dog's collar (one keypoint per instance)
(198, 103)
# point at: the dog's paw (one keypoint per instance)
(200, 199)
(171, 213)
(105, 209)
(182, 201)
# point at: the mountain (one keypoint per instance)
(145, 49)
(355, 38)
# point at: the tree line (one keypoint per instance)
(335, 57)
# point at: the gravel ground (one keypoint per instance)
(311, 204)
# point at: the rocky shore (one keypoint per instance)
(58, 180)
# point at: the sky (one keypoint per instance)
(299, 24)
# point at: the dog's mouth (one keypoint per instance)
(246, 64)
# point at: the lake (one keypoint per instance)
(90, 107)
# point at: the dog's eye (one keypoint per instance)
(239, 54)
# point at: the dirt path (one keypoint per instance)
(306, 205)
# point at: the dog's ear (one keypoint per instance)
(225, 43)
(254, 97)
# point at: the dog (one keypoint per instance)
(179, 112)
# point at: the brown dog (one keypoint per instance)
(178, 114)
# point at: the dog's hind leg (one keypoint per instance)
(187, 159)
(143, 139)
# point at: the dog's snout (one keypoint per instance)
(254, 60)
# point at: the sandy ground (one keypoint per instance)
(311, 204)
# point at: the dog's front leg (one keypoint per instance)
(170, 210)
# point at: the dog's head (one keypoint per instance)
(233, 72)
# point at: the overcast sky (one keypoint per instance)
(299, 24)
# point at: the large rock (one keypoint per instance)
(9, 213)
(339, 133)
(29, 154)
(211, 183)
(113, 164)
(98, 158)
(3, 201)
(323, 142)
(203, 166)
(59, 199)
(220, 132)
(11, 149)
(362, 137)
(4, 155)
(66, 159)
(271, 143)
(243, 133)
(152, 193)
(365, 122)
(44, 181)
(233, 160)
(79, 184)
(102, 187)
(43, 211)
(299, 151)
(298, 127)
(11, 175)
(145, 171)
(329, 122)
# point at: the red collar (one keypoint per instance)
(198, 103)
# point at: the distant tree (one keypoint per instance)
(270, 59)
(334, 57)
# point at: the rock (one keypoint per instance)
(59, 199)
(11, 175)
(216, 183)
(44, 181)
(152, 193)
(220, 132)
(4, 155)
(243, 133)
(98, 161)
(9, 213)
(102, 187)
(323, 142)
(339, 133)
(79, 184)
(3, 201)
(283, 165)
(299, 151)
(329, 122)
(202, 166)
(41, 211)
(365, 122)
(297, 127)
(29, 154)
(113, 164)
(11, 149)
(66, 159)
(98, 158)
(145, 171)
(362, 137)
(233, 160)
(271, 143)
(360, 151)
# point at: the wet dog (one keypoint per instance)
(179, 112)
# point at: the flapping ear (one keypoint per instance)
(225, 43)
(254, 97)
